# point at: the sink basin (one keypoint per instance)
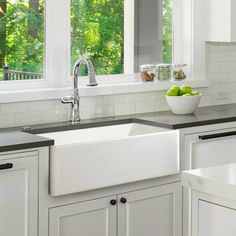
(92, 158)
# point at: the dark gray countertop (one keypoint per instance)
(12, 140)
(203, 116)
(166, 119)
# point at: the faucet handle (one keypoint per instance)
(67, 99)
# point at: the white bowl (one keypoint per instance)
(183, 105)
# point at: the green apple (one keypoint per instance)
(187, 95)
(195, 93)
(185, 89)
(173, 91)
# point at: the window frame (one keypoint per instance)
(57, 57)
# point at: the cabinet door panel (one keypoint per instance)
(91, 218)
(153, 212)
(211, 152)
(18, 197)
(215, 220)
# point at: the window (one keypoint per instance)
(21, 39)
(118, 35)
(98, 30)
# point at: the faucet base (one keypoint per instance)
(75, 122)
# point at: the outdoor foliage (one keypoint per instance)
(96, 30)
(24, 36)
(167, 31)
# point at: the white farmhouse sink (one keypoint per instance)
(91, 158)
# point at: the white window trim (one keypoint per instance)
(57, 80)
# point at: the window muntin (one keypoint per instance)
(21, 39)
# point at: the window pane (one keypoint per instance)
(153, 32)
(21, 39)
(97, 30)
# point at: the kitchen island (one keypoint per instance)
(213, 205)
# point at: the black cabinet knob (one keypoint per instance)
(123, 200)
(113, 202)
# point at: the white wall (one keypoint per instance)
(221, 69)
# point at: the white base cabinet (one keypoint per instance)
(153, 211)
(205, 147)
(18, 195)
(96, 217)
(212, 215)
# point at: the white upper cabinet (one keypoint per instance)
(221, 20)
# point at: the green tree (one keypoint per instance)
(167, 31)
(23, 49)
(3, 9)
(97, 30)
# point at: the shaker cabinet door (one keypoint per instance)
(90, 218)
(153, 212)
(18, 196)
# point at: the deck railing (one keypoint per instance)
(19, 75)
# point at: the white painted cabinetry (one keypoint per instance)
(212, 215)
(221, 20)
(153, 211)
(18, 195)
(211, 146)
(96, 217)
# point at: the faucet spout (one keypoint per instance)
(74, 99)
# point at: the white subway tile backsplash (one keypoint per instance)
(28, 118)
(102, 111)
(232, 56)
(228, 47)
(14, 107)
(113, 99)
(232, 76)
(135, 97)
(152, 96)
(211, 47)
(41, 105)
(214, 68)
(85, 112)
(161, 105)
(228, 66)
(6, 120)
(124, 109)
(219, 56)
(55, 116)
(144, 107)
(219, 78)
(91, 101)
(206, 101)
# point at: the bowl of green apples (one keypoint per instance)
(183, 100)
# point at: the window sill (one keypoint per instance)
(102, 89)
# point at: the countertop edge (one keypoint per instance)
(208, 185)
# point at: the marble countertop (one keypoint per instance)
(219, 180)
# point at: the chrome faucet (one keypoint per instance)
(74, 99)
